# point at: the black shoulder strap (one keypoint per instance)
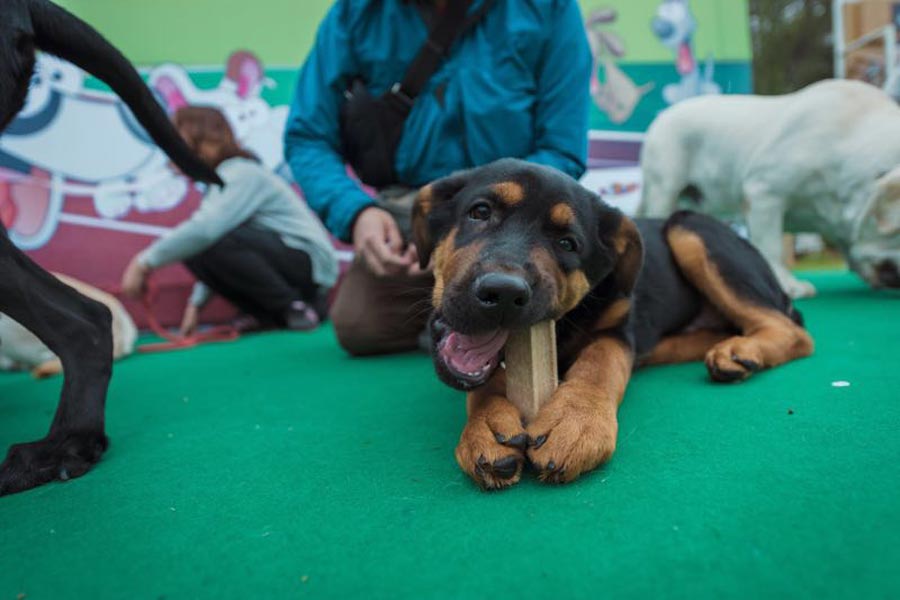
(448, 27)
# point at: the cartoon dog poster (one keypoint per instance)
(618, 95)
(650, 54)
(674, 25)
(117, 168)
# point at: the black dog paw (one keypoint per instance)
(57, 457)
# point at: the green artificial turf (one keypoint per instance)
(275, 466)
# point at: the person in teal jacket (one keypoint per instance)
(513, 85)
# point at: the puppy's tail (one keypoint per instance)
(61, 33)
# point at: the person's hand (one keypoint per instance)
(134, 280)
(379, 244)
(189, 320)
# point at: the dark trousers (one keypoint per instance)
(254, 270)
(380, 315)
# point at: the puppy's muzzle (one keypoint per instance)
(501, 297)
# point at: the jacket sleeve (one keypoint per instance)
(312, 137)
(563, 95)
(222, 210)
(200, 295)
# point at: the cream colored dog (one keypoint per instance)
(824, 159)
(21, 350)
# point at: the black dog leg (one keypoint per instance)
(78, 330)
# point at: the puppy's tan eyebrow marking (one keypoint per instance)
(510, 193)
(562, 215)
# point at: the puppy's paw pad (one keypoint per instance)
(734, 359)
(501, 473)
(493, 459)
(573, 444)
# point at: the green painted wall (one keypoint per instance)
(203, 32)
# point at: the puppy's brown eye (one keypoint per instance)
(480, 212)
(568, 244)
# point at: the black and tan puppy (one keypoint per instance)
(515, 244)
(74, 327)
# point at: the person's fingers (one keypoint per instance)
(392, 236)
(371, 260)
(412, 261)
(131, 288)
(188, 321)
(393, 263)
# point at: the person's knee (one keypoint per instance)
(355, 330)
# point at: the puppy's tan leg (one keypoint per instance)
(491, 448)
(576, 430)
(684, 347)
(768, 337)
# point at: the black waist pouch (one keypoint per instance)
(371, 128)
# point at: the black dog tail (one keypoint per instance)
(61, 33)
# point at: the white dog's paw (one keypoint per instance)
(797, 288)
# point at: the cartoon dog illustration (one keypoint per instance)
(674, 25)
(120, 170)
(256, 125)
(38, 163)
(618, 96)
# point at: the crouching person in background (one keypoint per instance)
(253, 242)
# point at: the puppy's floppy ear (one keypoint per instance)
(432, 214)
(621, 236)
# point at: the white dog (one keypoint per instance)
(824, 159)
(21, 350)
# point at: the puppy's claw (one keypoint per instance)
(518, 441)
(506, 467)
(750, 365)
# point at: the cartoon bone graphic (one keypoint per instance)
(256, 125)
(618, 96)
(38, 163)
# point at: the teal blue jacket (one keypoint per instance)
(516, 85)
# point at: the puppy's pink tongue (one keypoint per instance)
(470, 353)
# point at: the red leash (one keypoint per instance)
(221, 333)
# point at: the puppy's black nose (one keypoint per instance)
(502, 293)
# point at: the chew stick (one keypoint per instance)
(531, 376)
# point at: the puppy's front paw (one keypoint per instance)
(492, 448)
(734, 359)
(571, 435)
(793, 287)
